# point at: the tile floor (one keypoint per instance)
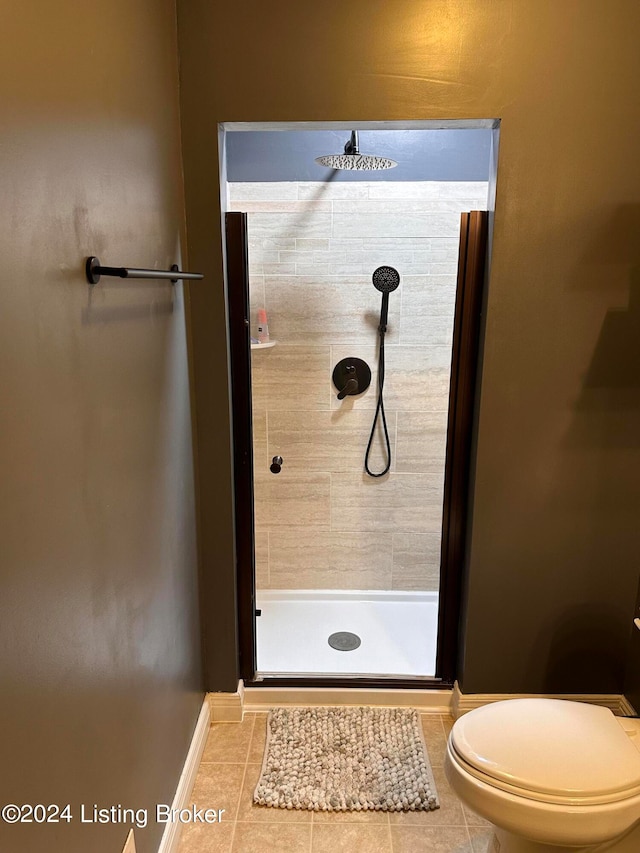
(229, 772)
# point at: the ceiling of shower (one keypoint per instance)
(422, 155)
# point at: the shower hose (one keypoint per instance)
(379, 413)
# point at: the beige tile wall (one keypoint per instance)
(322, 523)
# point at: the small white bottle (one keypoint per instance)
(263, 328)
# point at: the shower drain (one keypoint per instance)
(344, 641)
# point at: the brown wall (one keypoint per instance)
(553, 555)
(99, 641)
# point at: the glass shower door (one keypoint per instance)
(347, 566)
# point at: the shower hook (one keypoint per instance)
(94, 270)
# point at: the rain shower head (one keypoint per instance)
(353, 159)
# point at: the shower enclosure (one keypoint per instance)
(343, 575)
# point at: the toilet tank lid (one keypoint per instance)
(550, 746)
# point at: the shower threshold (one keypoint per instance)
(397, 632)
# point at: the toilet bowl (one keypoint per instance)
(551, 775)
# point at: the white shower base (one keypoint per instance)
(398, 631)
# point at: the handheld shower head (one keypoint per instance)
(386, 280)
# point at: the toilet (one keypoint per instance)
(551, 775)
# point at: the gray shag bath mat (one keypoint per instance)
(346, 759)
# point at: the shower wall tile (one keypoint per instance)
(257, 259)
(406, 190)
(370, 243)
(330, 560)
(449, 268)
(262, 559)
(326, 441)
(429, 189)
(260, 459)
(466, 189)
(437, 251)
(347, 245)
(429, 293)
(307, 310)
(268, 244)
(261, 191)
(256, 299)
(421, 442)
(399, 502)
(417, 378)
(290, 375)
(431, 298)
(283, 206)
(313, 246)
(391, 256)
(305, 244)
(338, 255)
(398, 256)
(416, 561)
(317, 190)
(346, 269)
(405, 225)
(436, 328)
(311, 224)
(312, 269)
(279, 269)
(297, 256)
(292, 499)
(399, 207)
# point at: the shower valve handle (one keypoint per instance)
(351, 385)
(350, 388)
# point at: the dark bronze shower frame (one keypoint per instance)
(458, 467)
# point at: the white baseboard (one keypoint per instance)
(462, 703)
(427, 701)
(130, 843)
(626, 708)
(171, 835)
(227, 707)
(230, 707)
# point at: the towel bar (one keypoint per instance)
(94, 270)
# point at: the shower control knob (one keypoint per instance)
(351, 376)
(276, 465)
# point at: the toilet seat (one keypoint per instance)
(536, 796)
(549, 750)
